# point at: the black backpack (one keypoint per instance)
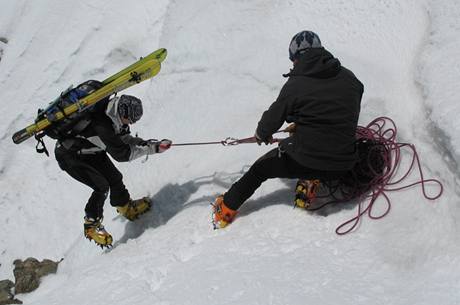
(72, 124)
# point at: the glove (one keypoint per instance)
(163, 145)
(290, 129)
(154, 146)
(259, 141)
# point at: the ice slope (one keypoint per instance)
(224, 68)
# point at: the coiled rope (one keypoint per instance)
(375, 174)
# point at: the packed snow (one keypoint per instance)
(224, 66)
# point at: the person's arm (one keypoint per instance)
(124, 148)
(148, 147)
(114, 145)
(273, 118)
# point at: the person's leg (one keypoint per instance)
(80, 168)
(271, 165)
(119, 195)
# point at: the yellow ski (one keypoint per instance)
(143, 69)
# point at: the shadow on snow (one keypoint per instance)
(173, 198)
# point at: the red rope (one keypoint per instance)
(378, 131)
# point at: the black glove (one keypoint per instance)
(267, 141)
(291, 129)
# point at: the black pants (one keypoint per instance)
(99, 173)
(272, 165)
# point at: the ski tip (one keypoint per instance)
(161, 55)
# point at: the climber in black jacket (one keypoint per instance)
(322, 99)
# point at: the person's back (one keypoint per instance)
(323, 99)
(104, 132)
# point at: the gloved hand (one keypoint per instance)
(154, 146)
(291, 128)
(259, 141)
(164, 145)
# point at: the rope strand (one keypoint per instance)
(228, 141)
(378, 132)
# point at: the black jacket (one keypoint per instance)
(323, 99)
(100, 134)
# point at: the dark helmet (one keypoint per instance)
(130, 107)
(301, 42)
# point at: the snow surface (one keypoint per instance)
(223, 69)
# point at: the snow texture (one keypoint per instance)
(223, 70)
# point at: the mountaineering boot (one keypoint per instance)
(305, 193)
(222, 216)
(134, 208)
(94, 230)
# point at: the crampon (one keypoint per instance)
(94, 230)
(221, 215)
(305, 193)
(134, 208)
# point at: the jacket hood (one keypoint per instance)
(112, 113)
(317, 63)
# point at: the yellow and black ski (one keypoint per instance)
(145, 68)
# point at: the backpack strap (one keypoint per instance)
(80, 126)
(41, 147)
